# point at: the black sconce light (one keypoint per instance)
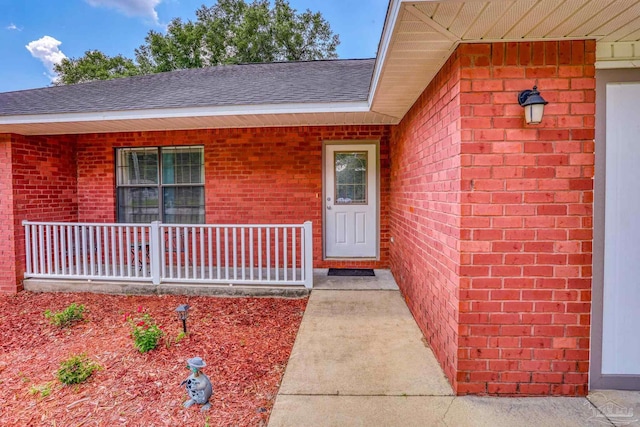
(183, 312)
(533, 105)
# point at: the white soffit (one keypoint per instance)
(115, 123)
(420, 35)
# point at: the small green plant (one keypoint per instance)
(76, 369)
(144, 331)
(182, 335)
(43, 390)
(70, 315)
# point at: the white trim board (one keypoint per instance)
(166, 113)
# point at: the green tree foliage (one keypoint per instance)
(229, 32)
(94, 65)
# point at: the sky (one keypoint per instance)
(36, 34)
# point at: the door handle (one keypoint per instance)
(328, 207)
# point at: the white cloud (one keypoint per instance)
(13, 27)
(144, 8)
(46, 50)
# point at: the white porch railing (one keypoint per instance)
(204, 253)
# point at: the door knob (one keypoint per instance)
(328, 207)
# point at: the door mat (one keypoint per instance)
(359, 272)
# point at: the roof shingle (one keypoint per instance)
(324, 81)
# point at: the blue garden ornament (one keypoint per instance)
(197, 384)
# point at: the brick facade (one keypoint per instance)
(532, 187)
(425, 211)
(252, 176)
(9, 281)
(38, 184)
(507, 306)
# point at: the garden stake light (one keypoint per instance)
(183, 312)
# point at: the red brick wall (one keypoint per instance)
(270, 175)
(527, 219)
(44, 178)
(525, 225)
(39, 184)
(425, 210)
(8, 276)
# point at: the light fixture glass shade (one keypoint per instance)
(533, 104)
(533, 113)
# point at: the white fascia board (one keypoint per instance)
(168, 113)
(387, 32)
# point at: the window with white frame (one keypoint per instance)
(160, 184)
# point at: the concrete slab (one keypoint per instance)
(362, 343)
(345, 411)
(383, 280)
(620, 407)
(475, 411)
(465, 411)
(359, 360)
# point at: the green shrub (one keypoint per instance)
(76, 369)
(66, 317)
(144, 331)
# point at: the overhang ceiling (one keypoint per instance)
(419, 36)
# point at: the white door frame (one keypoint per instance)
(376, 144)
(598, 380)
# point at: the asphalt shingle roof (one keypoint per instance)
(228, 85)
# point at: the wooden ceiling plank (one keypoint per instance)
(631, 37)
(511, 19)
(410, 37)
(424, 46)
(565, 10)
(486, 20)
(427, 8)
(620, 25)
(418, 27)
(467, 16)
(447, 13)
(579, 17)
(541, 12)
(413, 10)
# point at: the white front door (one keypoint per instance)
(621, 293)
(351, 201)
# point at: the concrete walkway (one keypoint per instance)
(360, 360)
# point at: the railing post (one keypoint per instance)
(308, 255)
(27, 246)
(154, 252)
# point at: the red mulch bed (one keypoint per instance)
(245, 342)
